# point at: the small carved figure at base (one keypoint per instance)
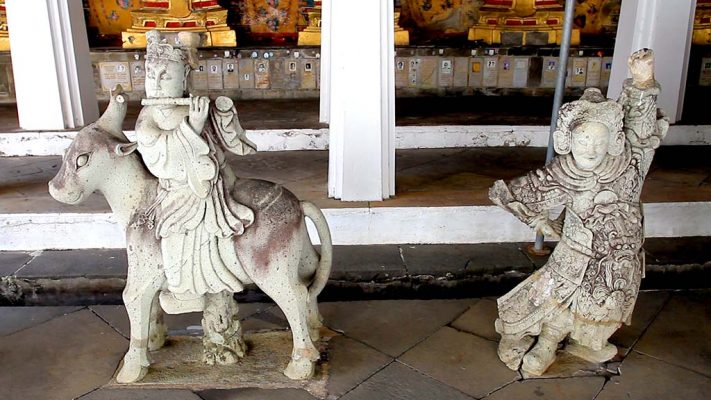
(222, 331)
(589, 285)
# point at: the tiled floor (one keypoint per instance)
(425, 177)
(419, 349)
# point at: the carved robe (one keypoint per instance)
(194, 214)
(590, 283)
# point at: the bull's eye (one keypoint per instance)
(82, 160)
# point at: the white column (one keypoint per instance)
(54, 81)
(664, 26)
(360, 55)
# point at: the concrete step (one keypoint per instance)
(441, 198)
(97, 276)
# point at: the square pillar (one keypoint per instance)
(358, 97)
(665, 27)
(54, 81)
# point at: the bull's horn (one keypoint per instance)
(111, 121)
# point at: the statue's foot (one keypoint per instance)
(608, 352)
(134, 368)
(157, 336)
(537, 361)
(511, 351)
(303, 368)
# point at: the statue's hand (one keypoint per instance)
(641, 64)
(547, 227)
(199, 109)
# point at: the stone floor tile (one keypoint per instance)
(351, 362)
(479, 320)
(400, 382)
(61, 359)
(645, 310)
(643, 377)
(680, 333)
(140, 394)
(13, 319)
(567, 365)
(551, 389)
(270, 318)
(484, 258)
(256, 394)
(366, 263)
(11, 261)
(179, 324)
(466, 362)
(391, 326)
(89, 263)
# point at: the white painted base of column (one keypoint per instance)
(351, 226)
(48, 143)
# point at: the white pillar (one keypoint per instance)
(54, 81)
(664, 26)
(359, 52)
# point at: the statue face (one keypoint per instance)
(590, 144)
(165, 79)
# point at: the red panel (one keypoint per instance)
(529, 22)
(547, 3)
(506, 3)
(156, 4)
(514, 22)
(204, 3)
(706, 20)
(149, 24)
(190, 24)
(492, 21)
(173, 24)
(209, 23)
(552, 22)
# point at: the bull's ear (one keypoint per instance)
(124, 149)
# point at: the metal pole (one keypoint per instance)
(559, 90)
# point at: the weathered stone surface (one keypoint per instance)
(567, 365)
(399, 382)
(680, 333)
(466, 362)
(270, 318)
(643, 377)
(13, 319)
(11, 261)
(140, 394)
(391, 326)
(648, 305)
(365, 263)
(443, 259)
(60, 264)
(550, 389)
(479, 320)
(351, 363)
(256, 394)
(72, 355)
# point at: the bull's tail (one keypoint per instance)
(323, 271)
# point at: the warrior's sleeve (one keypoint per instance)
(230, 133)
(529, 196)
(645, 125)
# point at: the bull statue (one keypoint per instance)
(273, 250)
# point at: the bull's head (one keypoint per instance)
(91, 158)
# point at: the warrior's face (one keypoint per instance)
(591, 141)
(165, 78)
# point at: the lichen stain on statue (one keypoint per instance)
(196, 233)
(589, 286)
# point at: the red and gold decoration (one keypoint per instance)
(4, 38)
(597, 17)
(311, 36)
(539, 19)
(702, 23)
(203, 16)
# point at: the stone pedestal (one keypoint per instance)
(173, 16)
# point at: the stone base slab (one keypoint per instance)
(178, 365)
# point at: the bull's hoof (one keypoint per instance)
(131, 372)
(511, 351)
(300, 369)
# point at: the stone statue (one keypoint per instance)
(589, 286)
(196, 233)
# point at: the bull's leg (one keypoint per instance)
(222, 338)
(157, 332)
(292, 298)
(314, 319)
(138, 307)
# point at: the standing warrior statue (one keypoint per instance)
(589, 286)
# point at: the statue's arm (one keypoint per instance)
(530, 198)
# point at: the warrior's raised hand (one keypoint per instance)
(199, 110)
